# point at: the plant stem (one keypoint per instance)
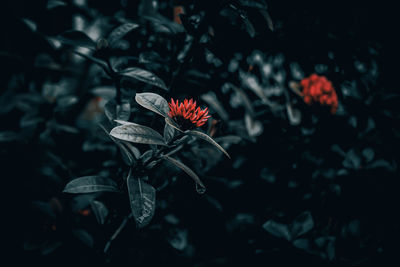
(117, 232)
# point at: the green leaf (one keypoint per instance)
(153, 102)
(54, 3)
(135, 152)
(208, 139)
(302, 224)
(127, 157)
(200, 187)
(164, 24)
(253, 127)
(143, 76)
(244, 98)
(137, 134)
(268, 18)
(120, 32)
(142, 197)
(84, 237)
(294, 115)
(146, 156)
(91, 184)
(76, 38)
(242, 14)
(172, 123)
(99, 210)
(211, 99)
(106, 92)
(114, 111)
(277, 229)
(169, 132)
(125, 122)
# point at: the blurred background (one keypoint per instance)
(305, 185)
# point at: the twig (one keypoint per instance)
(117, 232)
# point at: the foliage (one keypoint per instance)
(290, 127)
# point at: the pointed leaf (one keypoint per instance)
(200, 187)
(169, 132)
(127, 157)
(302, 224)
(172, 123)
(208, 139)
(115, 111)
(142, 197)
(253, 127)
(84, 237)
(135, 152)
(211, 99)
(146, 156)
(153, 102)
(137, 134)
(143, 76)
(268, 18)
(120, 32)
(99, 210)
(125, 122)
(90, 184)
(294, 115)
(76, 38)
(106, 92)
(277, 229)
(55, 3)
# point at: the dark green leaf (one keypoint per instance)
(143, 76)
(294, 115)
(153, 102)
(142, 197)
(106, 92)
(211, 99)
(127, 157)
(302, 224)
(200, 188)
(99, 210)
(253, 4)
(120, 32)
(254, 128)
(135, 152)
(50, 247)
(277, 229)
(169, 132)
(172, 123)
(77, 38)
(114, 111)
(164, 25)
(55, 3)
(137, 134)
(268, 18)
(208, 139)
(146, 155)
(90, 184)
(84, 237)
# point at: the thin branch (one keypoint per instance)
(117, 232)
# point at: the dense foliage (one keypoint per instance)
(198, 133)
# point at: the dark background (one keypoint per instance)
(342, 169)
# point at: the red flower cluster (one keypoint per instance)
(186, 115)
(319, 89)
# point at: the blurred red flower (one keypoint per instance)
(319, 89)
(187, 115)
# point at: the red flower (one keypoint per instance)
(186, 115)
(319, 89)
